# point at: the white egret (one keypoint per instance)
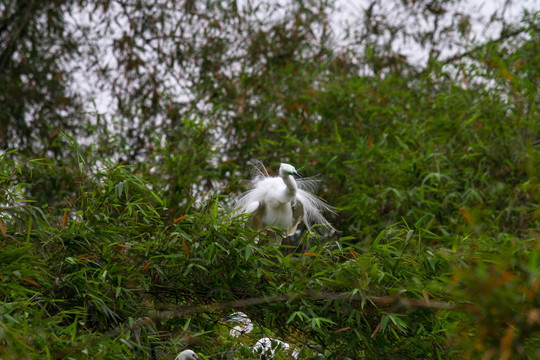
(245, 325)
(282, 201)
(267, 346)
(187, 355)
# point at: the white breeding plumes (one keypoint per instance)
(187, 355)
(267, 346)
(244, 324)
(282, 200)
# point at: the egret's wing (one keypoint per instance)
(257, 208)
(297, 214)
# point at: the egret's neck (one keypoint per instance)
(291, 185)
(247, 325)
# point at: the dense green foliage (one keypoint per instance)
(126, 246)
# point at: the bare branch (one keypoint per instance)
(381, 301)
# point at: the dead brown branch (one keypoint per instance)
(166, 311)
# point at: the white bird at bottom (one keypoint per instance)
(187, 355)
(268, 346)
(282, 201)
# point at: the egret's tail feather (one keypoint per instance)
(314, 206)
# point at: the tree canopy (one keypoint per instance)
(118, 235)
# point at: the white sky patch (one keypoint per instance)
(350, 14)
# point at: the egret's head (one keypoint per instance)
(288, 169)
(187, 355)
(237, 317)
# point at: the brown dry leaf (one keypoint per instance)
(87, 257)
(185, 247)
(122, 246)
(425, 295)
(466, 215)
(376, 329)
(179, 219)
(3, 229)
(66, 214)
(30, 281)
(311, 254)
(506, 342)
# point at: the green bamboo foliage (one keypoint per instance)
(122, 243)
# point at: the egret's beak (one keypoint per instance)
(298, 175)
(231, 319)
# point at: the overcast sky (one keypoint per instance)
(350, 12)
